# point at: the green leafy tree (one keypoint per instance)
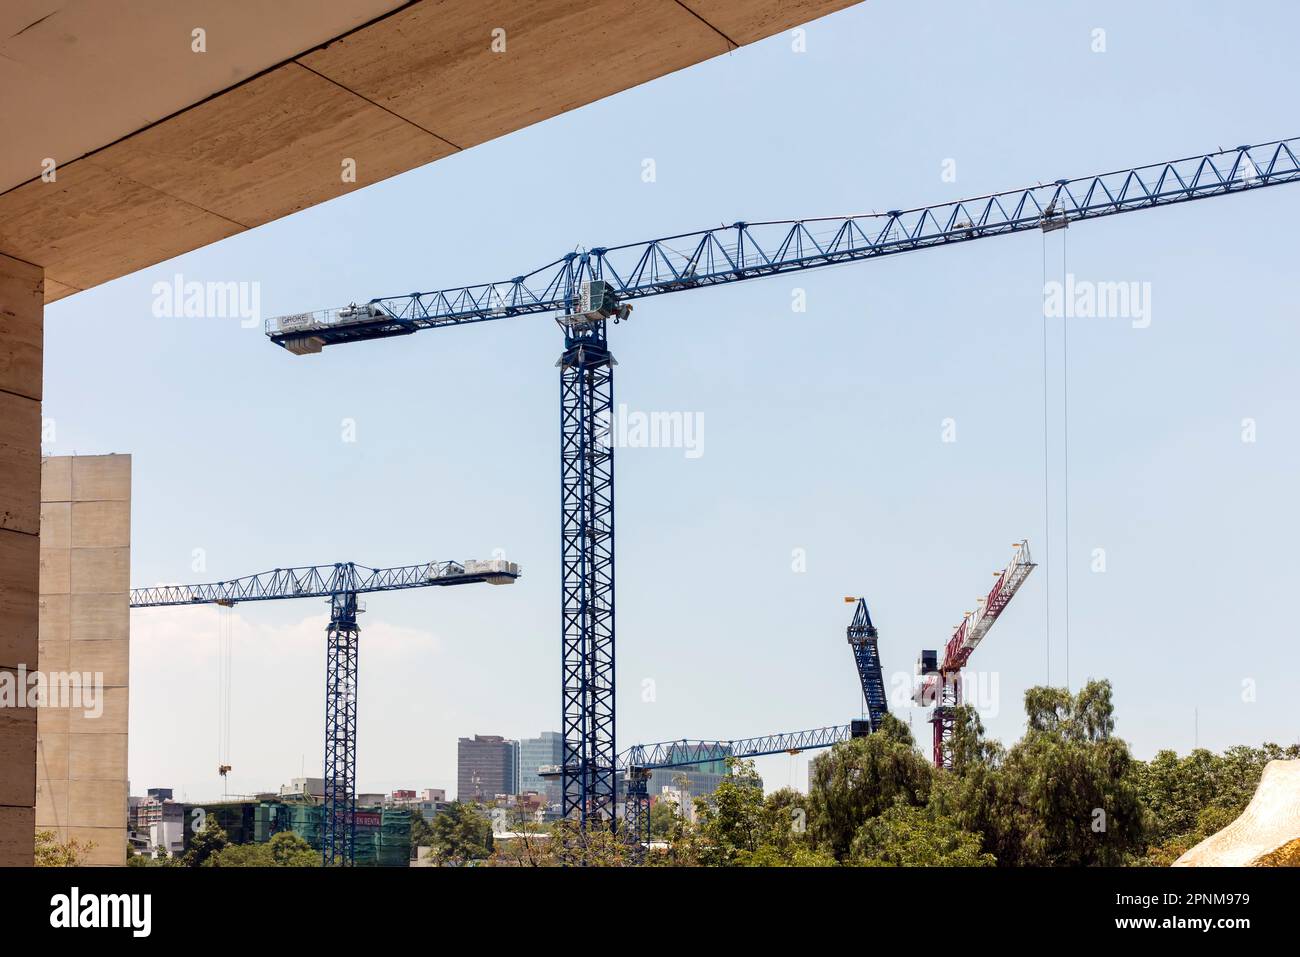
(663, 817)
(421, 832)
(1193, 797)
(908, 836)
(461, 834)
(596, 845)
(731, 820)
(211, 840)
(285, 849)
(1066, 794)
(859, 780)
(51, 852)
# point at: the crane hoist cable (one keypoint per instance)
(1064, 456)
(225, 647)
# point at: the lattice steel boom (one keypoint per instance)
(744, 251)
(341, 584)
(863, 639)
(939, 683)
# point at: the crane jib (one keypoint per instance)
(744, 251)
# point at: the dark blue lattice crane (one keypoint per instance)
(586, 289)
(340, 584)
(866, 655)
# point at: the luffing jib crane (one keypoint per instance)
(939, 682)
(340, 584)
(587, 289)
(863, 637)
(639, 761)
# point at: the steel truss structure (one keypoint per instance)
(862, 637)
(588, 774)
(743, 251)
(639, 760)
(341, 584)
(338, 841)
(709, 257)
(943, 687)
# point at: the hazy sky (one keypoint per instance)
(822, 430)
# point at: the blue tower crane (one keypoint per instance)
(863, 637)
(340, 584)
(640, 760)
(586, 289)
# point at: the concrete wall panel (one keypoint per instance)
(56, 479)
(55, 655)
(97, 757)
(105, 846)
(249, 160)
(106, 658)
(101, 524)
(393, 94)
(92, 225)
(55, 619)
(52, 757)
(52, 800)
(112, 721)
(16, 829)
(21, 335)
(745, 21)
(19, 575)
(20, 463)
(85, 629)
(17, 749)
(55, 571)
(99, 570)
(99, 618)
(56, 524)
(99, 803)
(82, 73)
(433, 63)
(101, 478)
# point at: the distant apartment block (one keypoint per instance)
(304, 788)
(486, 765)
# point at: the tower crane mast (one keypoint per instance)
(341, 584)
(586, 289)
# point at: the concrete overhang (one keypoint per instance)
(158, 148)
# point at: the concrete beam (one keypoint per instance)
(405, 89)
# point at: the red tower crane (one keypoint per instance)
(940, 683)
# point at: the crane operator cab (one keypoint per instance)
(595, 302)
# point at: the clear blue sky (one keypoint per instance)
(822, 429)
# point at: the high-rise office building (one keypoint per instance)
(486, 765)
(536, 753)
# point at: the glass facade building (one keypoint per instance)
(535, 753)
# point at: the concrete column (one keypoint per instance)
(21, 341)
(81, 747)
